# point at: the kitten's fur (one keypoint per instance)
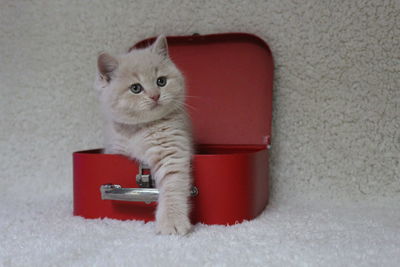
(156, 133)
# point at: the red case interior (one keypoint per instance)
(229, 81)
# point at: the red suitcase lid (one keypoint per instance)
(229, 81)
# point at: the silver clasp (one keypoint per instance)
(144, 178)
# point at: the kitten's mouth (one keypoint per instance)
(155, 105)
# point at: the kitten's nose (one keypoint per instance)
(155, 97)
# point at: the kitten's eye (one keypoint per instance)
(136, 88)
(161, 81)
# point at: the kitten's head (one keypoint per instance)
(141, 86)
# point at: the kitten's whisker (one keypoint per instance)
(179, 108)
(193, 96)
(179, 105)
(184, 104)
(189, 106)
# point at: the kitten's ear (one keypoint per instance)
(106, 65)
(160, 46)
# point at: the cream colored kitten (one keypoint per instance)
(142, 94)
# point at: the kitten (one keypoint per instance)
(142, 95)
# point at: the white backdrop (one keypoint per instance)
(336, 128)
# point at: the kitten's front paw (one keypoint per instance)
(171, 226)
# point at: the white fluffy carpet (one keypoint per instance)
(335, 164)
(42, 232)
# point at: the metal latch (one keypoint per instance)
(144, 178)
(147, 193)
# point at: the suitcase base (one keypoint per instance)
(232, 183)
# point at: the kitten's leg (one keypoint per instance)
(115, 147)
(172, 215)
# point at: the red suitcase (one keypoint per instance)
(229, 81)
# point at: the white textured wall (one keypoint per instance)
(336, 131)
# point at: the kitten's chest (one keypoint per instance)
(138, 141)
